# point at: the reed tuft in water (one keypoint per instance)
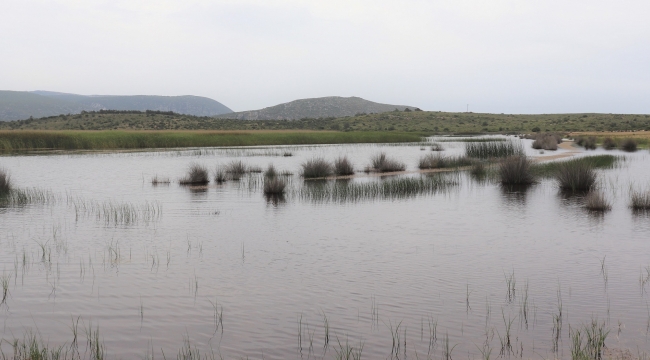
(343, 167)
(381, 163)
(640, 200)
(220, 176)
(493, 149)
(316, 168)
(196, 175)
(5, 182)
(609, 144)
(516, 170)
(596, 201)
(274, 186)
(575, 176)
(157, 180)
(437, 161)
(236, 169)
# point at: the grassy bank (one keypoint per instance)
(107, 140)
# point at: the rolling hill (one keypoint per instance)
(324, 107)
(17, 105)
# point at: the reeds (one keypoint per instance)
(516, 170)
(588, 341)
(629, 145)
(595, 201)
(437, 147)
(273, 185)
(236, 169)
(395, 188)
(438, 161)
(640, 200)
(220, 175)
(381, 163)
(343, 166)
(493, 149)
(575, 176)
(316, 168)
(24, 197)
(5, 182)
(157, 180)
(196, 175)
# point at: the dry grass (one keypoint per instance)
(196, 175)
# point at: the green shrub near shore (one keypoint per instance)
(111, 140)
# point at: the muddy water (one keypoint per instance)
(243, 277)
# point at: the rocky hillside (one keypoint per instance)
(325, 107)
(17, 105)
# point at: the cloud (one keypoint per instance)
(499, 56)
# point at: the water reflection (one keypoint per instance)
(515, 195)
(275, 199)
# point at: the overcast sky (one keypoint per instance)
(497, 56)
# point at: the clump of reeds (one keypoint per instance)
(316, 168)
(640, 200)
(478, 169)
(575, 176)
(437, 147)
(609, 143)
(156, 180)
(254, 169)
(588, 341)
(437, 161)
(381, 163)
(493, 149)
(629, 145)
(546, 142)
(236, 169)
(196, 175)
(220, 176)
(343, 166)
(273, 185)
(516, 170)
(595, 201)
(287, 154)
(5, 182)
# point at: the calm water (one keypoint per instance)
(275, 271)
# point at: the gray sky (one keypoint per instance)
(497, 56)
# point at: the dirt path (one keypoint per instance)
(565, 146)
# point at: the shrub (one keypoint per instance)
(316, 168)
(590, 143)
(343, 167)
(546, 142)
(629, 145)
(437, 147)
(595, 201)
(196, 175)
(381, 163)
(5, 182)
(575, 176)
(478, 169)
(516, 170)
(609, 143)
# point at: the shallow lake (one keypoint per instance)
(457, 271)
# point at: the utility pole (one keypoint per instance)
(467, 107)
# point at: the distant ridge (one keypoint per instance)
(324, 107)
(18, 105)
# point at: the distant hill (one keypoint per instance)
(17, 105)
(325, 107)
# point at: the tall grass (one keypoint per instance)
(516, 170)
(395, 188)
(236, 169)
(29, 196)
(21, 140)
(273, 185)
(588, 341)
(549, 169)
(220, 175)
(575, 176)
(113, 212)
(437, 161)
(382, 163)
(343, 166)
(316, 168)
(196, 175)
(609, 143)
(493, 149)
